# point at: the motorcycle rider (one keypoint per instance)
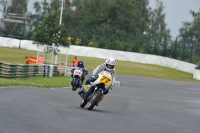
(108, 66)
(80, 64)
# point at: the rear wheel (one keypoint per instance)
(94, 100)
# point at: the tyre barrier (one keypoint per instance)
(8, 70)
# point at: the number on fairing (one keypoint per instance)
(86, 88)
(78, 72)
(106, 80)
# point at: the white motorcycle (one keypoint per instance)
(93, 93)
(76, 80)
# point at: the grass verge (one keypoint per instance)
(37, 82)
(17, 56)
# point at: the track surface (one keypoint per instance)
(140, 105)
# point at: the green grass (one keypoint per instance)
(37, 82)
(17, 56)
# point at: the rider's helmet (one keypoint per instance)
(110, 64)
(80, 64)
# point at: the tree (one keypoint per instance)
(5, 4)
(15, 29)
(18, 6)
(42, 9)
(50, 31)
(157, 28)
(54, 5)
(110, 24)
(195, 31)
(190, 33)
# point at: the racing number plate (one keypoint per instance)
(78, 72)
(106, 80)
(86, 88)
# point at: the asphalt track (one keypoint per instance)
(140, 105)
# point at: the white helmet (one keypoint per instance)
(110, 64)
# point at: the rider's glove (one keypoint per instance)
(94, 77)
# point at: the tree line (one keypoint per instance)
(128, 25)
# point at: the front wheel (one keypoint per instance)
(74, 84)
(94, 100)
(83, 103)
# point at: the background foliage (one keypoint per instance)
(128, 25)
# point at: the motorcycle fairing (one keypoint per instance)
(87, 89)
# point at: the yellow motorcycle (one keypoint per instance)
(93, 93)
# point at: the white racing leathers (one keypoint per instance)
(102, 67)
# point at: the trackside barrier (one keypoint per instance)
(46, 70)
(51, 70)
(8, 70)
(54, 70)
(64, 70)
(196, 74)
